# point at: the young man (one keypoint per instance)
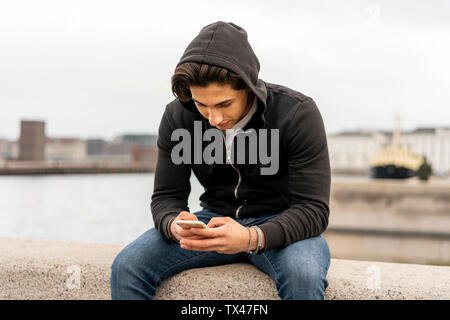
(268, 210)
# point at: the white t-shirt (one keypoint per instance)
(231, 133)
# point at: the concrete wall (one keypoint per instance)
(38, 269)
(391, 205)
(397, 221)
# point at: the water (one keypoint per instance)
(104, 208)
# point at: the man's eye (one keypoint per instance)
(220, 106)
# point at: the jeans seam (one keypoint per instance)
(273, 268)
(181, 262)
(329, 254)
(114, 279)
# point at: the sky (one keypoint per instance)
(101, 68)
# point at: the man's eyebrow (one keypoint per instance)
(217, 104)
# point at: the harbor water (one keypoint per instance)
(104, 208)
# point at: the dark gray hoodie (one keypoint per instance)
(300, 189)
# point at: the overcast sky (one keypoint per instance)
(99, 68)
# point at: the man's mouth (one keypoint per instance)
(221, 125)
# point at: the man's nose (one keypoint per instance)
(215, 117)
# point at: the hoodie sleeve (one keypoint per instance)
(309, 181)
(171, 185)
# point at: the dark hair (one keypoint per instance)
(195, 74)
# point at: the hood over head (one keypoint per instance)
(225, 44)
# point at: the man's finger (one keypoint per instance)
(207, 232)
(185, 215)
(185, 232)
(218, 221)
(201, 245)
(194, 237)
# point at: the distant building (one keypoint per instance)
(145, 154)
(12, 152)
(132, 147)
(119, 150)
(9, 150)
(434, 144)
(95, 146)
(64, 149)
(3, 148)
(352, 150)
(148, 140)
(32, 141)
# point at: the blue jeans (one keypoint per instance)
(299, 270)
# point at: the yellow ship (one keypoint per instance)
(397, 162)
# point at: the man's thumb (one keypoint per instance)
(185, 215)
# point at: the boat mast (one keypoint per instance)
(396, 134)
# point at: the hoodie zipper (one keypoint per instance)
(239, 175)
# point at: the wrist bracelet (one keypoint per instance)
(259, 232)
(259, 243)
(170, 233)
(249, 240)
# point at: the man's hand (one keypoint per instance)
(223, 235)
(179, 232)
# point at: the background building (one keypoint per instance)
(145, 154)
(148, 140)
(434, 143)
(65, 149)
(95, 146)
(132, 147)
(351, 151)
(3, 148)
(32, 141)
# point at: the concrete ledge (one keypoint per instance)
(38, 269)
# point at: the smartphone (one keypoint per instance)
(187, 224)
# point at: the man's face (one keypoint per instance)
(221, 105)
